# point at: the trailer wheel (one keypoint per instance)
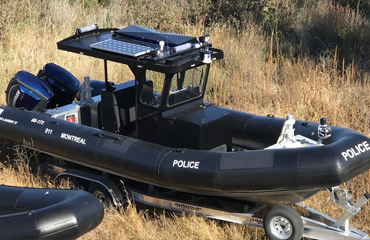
(102, 194)
(283, 222)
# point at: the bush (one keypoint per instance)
(317, 28)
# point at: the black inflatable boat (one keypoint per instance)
(276, 175)
(156, 129)
(27, 213)
(156, 135)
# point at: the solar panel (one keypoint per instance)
(125, 48)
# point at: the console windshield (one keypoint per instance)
(187, 85)
(184, 86)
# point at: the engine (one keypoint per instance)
(53, 87)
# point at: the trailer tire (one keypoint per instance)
(283, 222)
(102, 194)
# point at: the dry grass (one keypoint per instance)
(132, 222)
(253, 77)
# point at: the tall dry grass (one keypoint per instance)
(132, 222)
(254, 76)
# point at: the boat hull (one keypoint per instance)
(256, 175)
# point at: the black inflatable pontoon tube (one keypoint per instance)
(27, 213)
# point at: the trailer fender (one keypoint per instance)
(108, 184)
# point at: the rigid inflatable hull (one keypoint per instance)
(289, 174)
(27, 213)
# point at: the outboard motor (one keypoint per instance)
(26, 91)
(63, 84)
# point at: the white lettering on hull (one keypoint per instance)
(8, 121)
(185, 164)
(356, 150)
(73, 138)
(37, 121)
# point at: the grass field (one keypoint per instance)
(255, 76)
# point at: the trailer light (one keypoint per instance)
(88, 28)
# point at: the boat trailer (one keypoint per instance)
(278, 221)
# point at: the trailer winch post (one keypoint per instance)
(343, 221)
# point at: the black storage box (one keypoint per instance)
(204, 128)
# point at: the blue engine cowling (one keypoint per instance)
(53, 87)
(63, 84)
(26, 91)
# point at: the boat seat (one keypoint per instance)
(118, 108)
(147, 94)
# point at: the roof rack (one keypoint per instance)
(144, 47)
